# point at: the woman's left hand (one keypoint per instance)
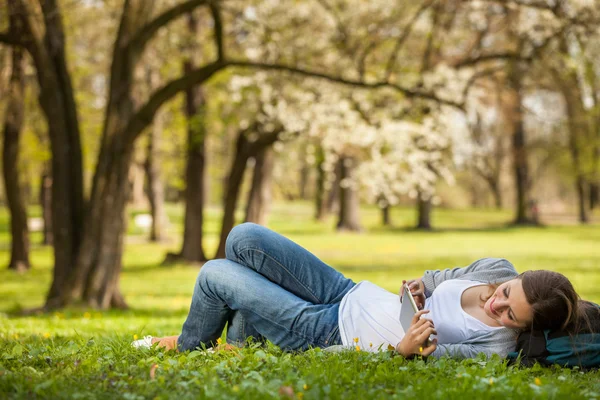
(416, 340)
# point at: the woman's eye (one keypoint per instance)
(505, 292)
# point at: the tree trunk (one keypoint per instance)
(594, 195)
(259, 198)
(349, 216)
(386, 219)
(195, 110)
(320, 198)
(333, 197)
(47, 49)
(579, 130)
(137, 177)
(514, 117)
(46, 203)
(304, 174)
(19, 255)
(423, 213)
(156, 192)
(96, 279)
(244, 149)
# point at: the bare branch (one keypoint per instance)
(469, 62)
(144, 116)
(408, 92)
(481, 74)
(10, 40)
(216, 14)
(402, 38)
(146, 33)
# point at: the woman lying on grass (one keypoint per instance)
(269, 287)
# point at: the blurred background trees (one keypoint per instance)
(110, 105)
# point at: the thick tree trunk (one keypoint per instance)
(96, 278)
(349, 215)
(156, 191)
(195, 110)
(19, 255)
(47, 49)
(423, 213)
(244, 150)
(195, 195)
(234, 183)
(259, 197)
(514, 117)
(46, 204)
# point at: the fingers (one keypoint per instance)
(429, 349)
(417, 316)
(424, 335)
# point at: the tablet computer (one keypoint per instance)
(408, 309)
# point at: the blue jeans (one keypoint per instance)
(267, 287)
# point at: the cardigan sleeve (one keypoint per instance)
(489, 270)
(500, 342)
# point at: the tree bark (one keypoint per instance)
(514, 117)
(333, 197)
(156, 191)
(244, 149)
(195, 110)
(46, 203)
(259, 197)
(386, 219)
(47, 49)
(349, 215)
(320, 198)
(304, 175)
(423, 213)
(137, 177)
(19, 254)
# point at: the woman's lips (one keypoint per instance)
(492, 307)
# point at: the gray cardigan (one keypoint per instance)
(486, 270)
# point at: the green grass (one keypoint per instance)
(86, 354)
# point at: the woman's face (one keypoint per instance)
(508, 305)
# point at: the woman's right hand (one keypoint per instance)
(417, 289)
(416, 340)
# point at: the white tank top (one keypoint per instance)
(452, 323)
(369, 316)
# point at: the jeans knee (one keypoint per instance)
(245, 232)
(208, 273)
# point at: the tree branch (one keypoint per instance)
(411, 93)
(402, 38)
(469, 62)
(216, 14)
(144, 116)
(10, 40)
(145, 33)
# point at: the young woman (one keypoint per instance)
(268, 287)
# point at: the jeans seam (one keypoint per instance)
(319, 301)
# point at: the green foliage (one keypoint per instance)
(81, 353)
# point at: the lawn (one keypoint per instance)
(82, 353)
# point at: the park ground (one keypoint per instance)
(83, 353)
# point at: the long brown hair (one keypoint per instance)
(552, 297)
